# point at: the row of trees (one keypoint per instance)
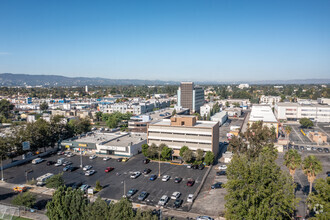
(115, 119)
(68, 203)
(258, 188)
(5, 110)
(41, 134)
(163, 152)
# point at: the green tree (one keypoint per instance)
(187, 155)
(292, 160)
(67, 203)
(306, 123)
(122, 210)
(209, 158)
(26, 199)
(182, 150)
(173, 112)
(79, 126)
(55, 181)
(319, 200)
(98, 116)
(288, 130)
(311, 167)
(44, 106)
(153, 151)
(257, 188)
(145, 215)
(199, 154)
(5, 108)
(97, 210)
(145, 149)
(166, 153)
(98, 186)
(227, 104)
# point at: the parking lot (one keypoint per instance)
(297, 137)
(225, 128)
(114, 185)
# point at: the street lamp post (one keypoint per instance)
(158, 163)
(81, 165)
(2, 179)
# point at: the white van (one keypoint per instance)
(42, 179)
(60, 161)
(37, 160)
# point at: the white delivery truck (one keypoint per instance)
(60, 161)
(42, 179)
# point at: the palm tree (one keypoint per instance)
(311, 167)
(292, 160)
(288, 130)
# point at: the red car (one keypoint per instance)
(108, 169)
(190, 182)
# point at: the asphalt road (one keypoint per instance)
(114, 185)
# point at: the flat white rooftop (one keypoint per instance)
(262, 113)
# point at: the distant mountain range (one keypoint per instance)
(9, 79)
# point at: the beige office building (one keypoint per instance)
(185, 131)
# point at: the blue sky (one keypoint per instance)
(168, 40)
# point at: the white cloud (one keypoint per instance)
(4, 53)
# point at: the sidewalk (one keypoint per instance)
(33, 189)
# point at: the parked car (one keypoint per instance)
(49, 163)
(189, 166)
(60, 153)
(166, 178)
(89, 172)
(87, 167)
(204, 218)
(145, 161)
(285, 147)
(163, 200)
(319, 149)
(190, 198)
(201, 166)
(308, 148)
(37, 160)
(190, 182)
(302, 148)
(119, 159)
(106, 158)
(177, 203)
(175, 195)
(222, 167)
(217, 185)
(326, 150)
(65, 163)
(135, 175)
(296, 147)
(195, 167)
(92, 157)
(76, 185)
(131, 192)
(143, 195)
(313, 148)
(68, 168)
(177, 179)
(84, 187)
(153, 177)
(146, 171)
(221, 173)
(108, 169)
(70, 154)
(124, 160)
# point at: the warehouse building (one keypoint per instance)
(265, 114)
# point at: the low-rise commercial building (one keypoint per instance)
(220, 117)
(265, 114)
(317, 137)
(269, 100)
(295, 111)
(119, 144)
(139, 123)
(185, 131)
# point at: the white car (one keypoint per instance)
(190, 198)
(175, 195)
(87, 167)
(222, 167)
(204, 218)
(92, 157)
(135, 175)
(163, 200)
(106, 158)
(57, 164)
(70, 154)
(166, 178)
(89, 172)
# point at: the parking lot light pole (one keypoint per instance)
(2, 179)
(158, 163)
(81, 159)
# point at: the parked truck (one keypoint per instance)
(42, 179)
